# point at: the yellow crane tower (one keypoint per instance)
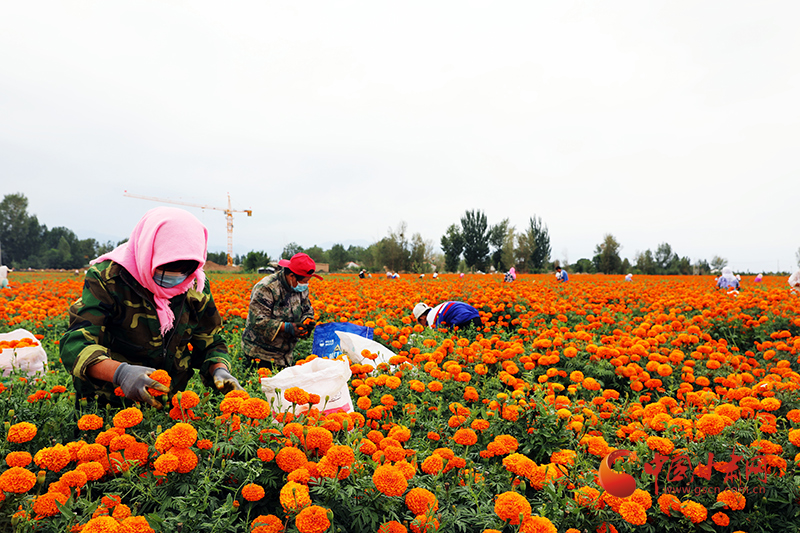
(227, 210)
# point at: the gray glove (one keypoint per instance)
(224, 382)
(134, 381)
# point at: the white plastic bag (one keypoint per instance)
(353, 345)
(31, 359)
(323, 377)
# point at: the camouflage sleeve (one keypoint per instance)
(260, 317)
(81, 346)
(208, 345)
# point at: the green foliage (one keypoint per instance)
(606, 258)
(475, 231)
(255, 260)
(452, 244)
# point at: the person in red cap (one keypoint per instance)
(280, 313)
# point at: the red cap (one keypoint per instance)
(300, 265)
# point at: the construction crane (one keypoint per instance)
(227, 210)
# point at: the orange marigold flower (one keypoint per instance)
(90, 422)
(182, 435)
(711, 424)
(659, 444)
(734, 500)
(588, 497)
(465, 437)
(392, 527)
(319, 438)
(510, 505)
(265, 454)
(433, 464)
(127, 418)
(267, 524)
(188, 459)
(721, 519)
(435, 386)
(294, 496)
(101, 524)
(53, 458)
(45, 505)
(185, 399)
(205, 444)
(668, 503)
(423, 524)
(341, 456)
(296, 395)
(21, 459)
(162, 377)
(420, 500)
(252, 492)
(92, 452)
(633, 513)
(21, 432)
(74, 478)
(92, 469)
(390, 480)
(121, 512)
(136, 524)
(694, 511)
(166, 463)
(289, 459)
(312, 519)
(255, 408)
(794, 416)
(537, 524)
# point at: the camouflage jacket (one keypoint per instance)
(272, 302)
(115, 318)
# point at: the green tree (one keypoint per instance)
(497, 238)
(254, 260)
(220, 258)
(290, 249)
(718, 263)
(20, 233)
(584, 265)
(645, 263)
(539, 236)
(452, 246)
(421, 256)
(337, 257)
(666, 259)
(317, 254)
(475, 230)
(606, 258)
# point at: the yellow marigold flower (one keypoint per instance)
(90, 422)
(313, 519)
(510, 505)
(21, 432)
(390, 480)
(127, 418)
(537, 524)
(252, 492)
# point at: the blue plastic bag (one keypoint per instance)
(326, 343)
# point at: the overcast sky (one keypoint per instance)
(655, 122)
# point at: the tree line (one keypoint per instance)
(468, 245)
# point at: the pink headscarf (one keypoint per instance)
(163, 235)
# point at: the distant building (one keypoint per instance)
(353, 266)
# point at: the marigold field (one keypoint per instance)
(500, 430)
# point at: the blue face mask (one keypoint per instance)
(301, 287)
(168, 280)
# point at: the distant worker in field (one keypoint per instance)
(280, 314)
(629, 277)
(3, 276)
(794, 281)
(561, 275)
(758, 278)
(510, 276)
(728, 279)
(363, 273)
(447, 315)
(142, 305)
